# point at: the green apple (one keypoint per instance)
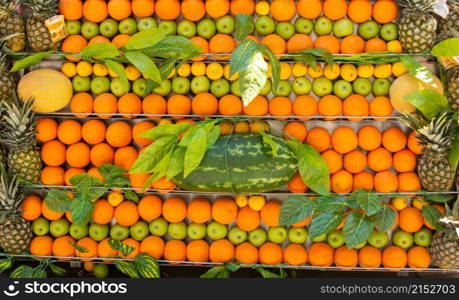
(343, 27)
(237, 236)
(81, 84)
(297, 235)
(59, 227)
(139, 230)
(40, 226)
(322, 86)
(206, 28)
(100, 270)
(197, 231)
(336, 238)
(220, 87)
(128, 26)
(216, 231)
(180, 85)
(108, 28)
(368, 30)
(235, 90)
(389, 32)
(361, 245)
(362, 86)
(265, 25)
(266, 88)
(177, 231)
(186, 28)
(320, 238)
(139, 87)
(301, 86)
(119, 232)
(303, 25)
(342, 88)
(159, 226)
(73, 27)
(381, 87)
(200, 84)
(284, 89)
(146, 23)
(226, 24)
(323, 26)
(79, 231)
(378, 239)
(100, 85)
(164, 88)
(98, 232)
(170, 27)
(402, 239)
(89, 30)
(118, 88)
(423, 237)
(285, 30)
(258, 237)
(277, 234)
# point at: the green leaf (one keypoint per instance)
(268, 141)
(332, 204)
(119, 70)
(131, 196)
(324, 223)
(161, 167)
(57, 270)
(119, 246)
(367, 200)
(295, 209)
(176, 164)
(164, 130)
(79, 248)
(39, 272)
(185, 141)
(58, 200)
(88, 187)
(429, 102)
(144, 64)
(232, 266)
(23, 271)
(253, 78)
(417, 70)
(147, 266)
(217, 272)
(384, 219)
(244, 26)
(268, 274)
(275, 65)
(453, 155)
(241, 55)
(6, 263)
(127, 268)
(446, 48)
(165, 69)
(439, 198)
(177, 47)
(357, 229)
(30, 60)
(432, 215)
(153, 154)
(81, 210)
(145, 39)
(100, 50)
(195, 151)
(213, 136)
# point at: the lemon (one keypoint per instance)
(365, 71)
(100, 70)
(88, 266)
(285, 71)
(241, 200)
(164, 122)
(84, 68)
(214, 71)
(331, 71)
(112, 73)
(399, 203)
(184, 70)
(132, 73)
(257, 202)
(226, 73)
(115, 198)
(68, 69)
(315, 72)
(171, 74)
(398, 69)
(348, 72)
(299, 70)
(419, 202)
(394, 46)
(262, 8)
(383, 71)
(198, 69)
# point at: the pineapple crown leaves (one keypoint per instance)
(11, 196)
(438, 7)
(46, 8)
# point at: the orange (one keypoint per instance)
(333, 160)
(270, 254)
(413, 143)
(193, 10)
(221, 251)
(355, 161)
(74, 44)
(280, 106)
(178, 105)
(199, 210)
(385, 11)
(375, 45)
(31, 207)
(363, 180)
(105, 250)
(119, 9)
(77, 155)
(319, 139)
(295, 255)
(442, 211)
(299, 41)
(355, 106)
(381, 107)
(369, 257)
(242, 7)
(258, 107)
(352, 44)
(341, 182)
(91, 248)
(270, 213)
(119, 134)
(408, 182)
(69, 132)
(95, 10)
(201, 43)
(321, 254)
(101, 154)
(275, 43)
(143, 8)
(328, 42)
(393, 139)
(309, 9)
(175, 250)
(304, 105)
(163, 185)
(138, 181)
(71, 9)
(230, 105)
(346, 257)
(295, 130)
(217, 8)
(129, 103)
(221, 44)
(45, 129)
(98, 39)
(394, 257)
(103, 212)
(359, 11)
(93, 131)
(82, 103)
(126, 213)
(296, 185)
(153, 246)
(167, 9)
(335, 9)
(248, 219)
(52, 176)
(283, 10)
(246, 253)
(94, 172)
(154, 104)
(198, 251)
(404, 161)
(330, 105)
(174, 209)
(53, 153)
(379, 159)
(62, 246)
(204, 104)
(125, 157)
(418, 257)
(134, 244)
(137, 131)
(410, 219)
(369, 137)
(120, 40)
(105, 104)
(224, 210)
(150, 207)
(385, 182)
(70, 172)
(344, 139)
(41, 245)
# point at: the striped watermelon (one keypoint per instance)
(242, 163)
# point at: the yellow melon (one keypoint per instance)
(50, 90)
(407, 84)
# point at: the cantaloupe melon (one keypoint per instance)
(49, 89)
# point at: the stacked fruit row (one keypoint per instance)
(283, 26)
(245, 229)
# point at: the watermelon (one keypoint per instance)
(241, 163)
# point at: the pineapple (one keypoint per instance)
(449, 26)
(15, 232)
(452, 76)
(2, 156)
(12, 26)
(19, 133)
(8, 80)
(38, 36)
(434, 170)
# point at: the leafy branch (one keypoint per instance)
(26, 271)
(223, 271)
(143, 266)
